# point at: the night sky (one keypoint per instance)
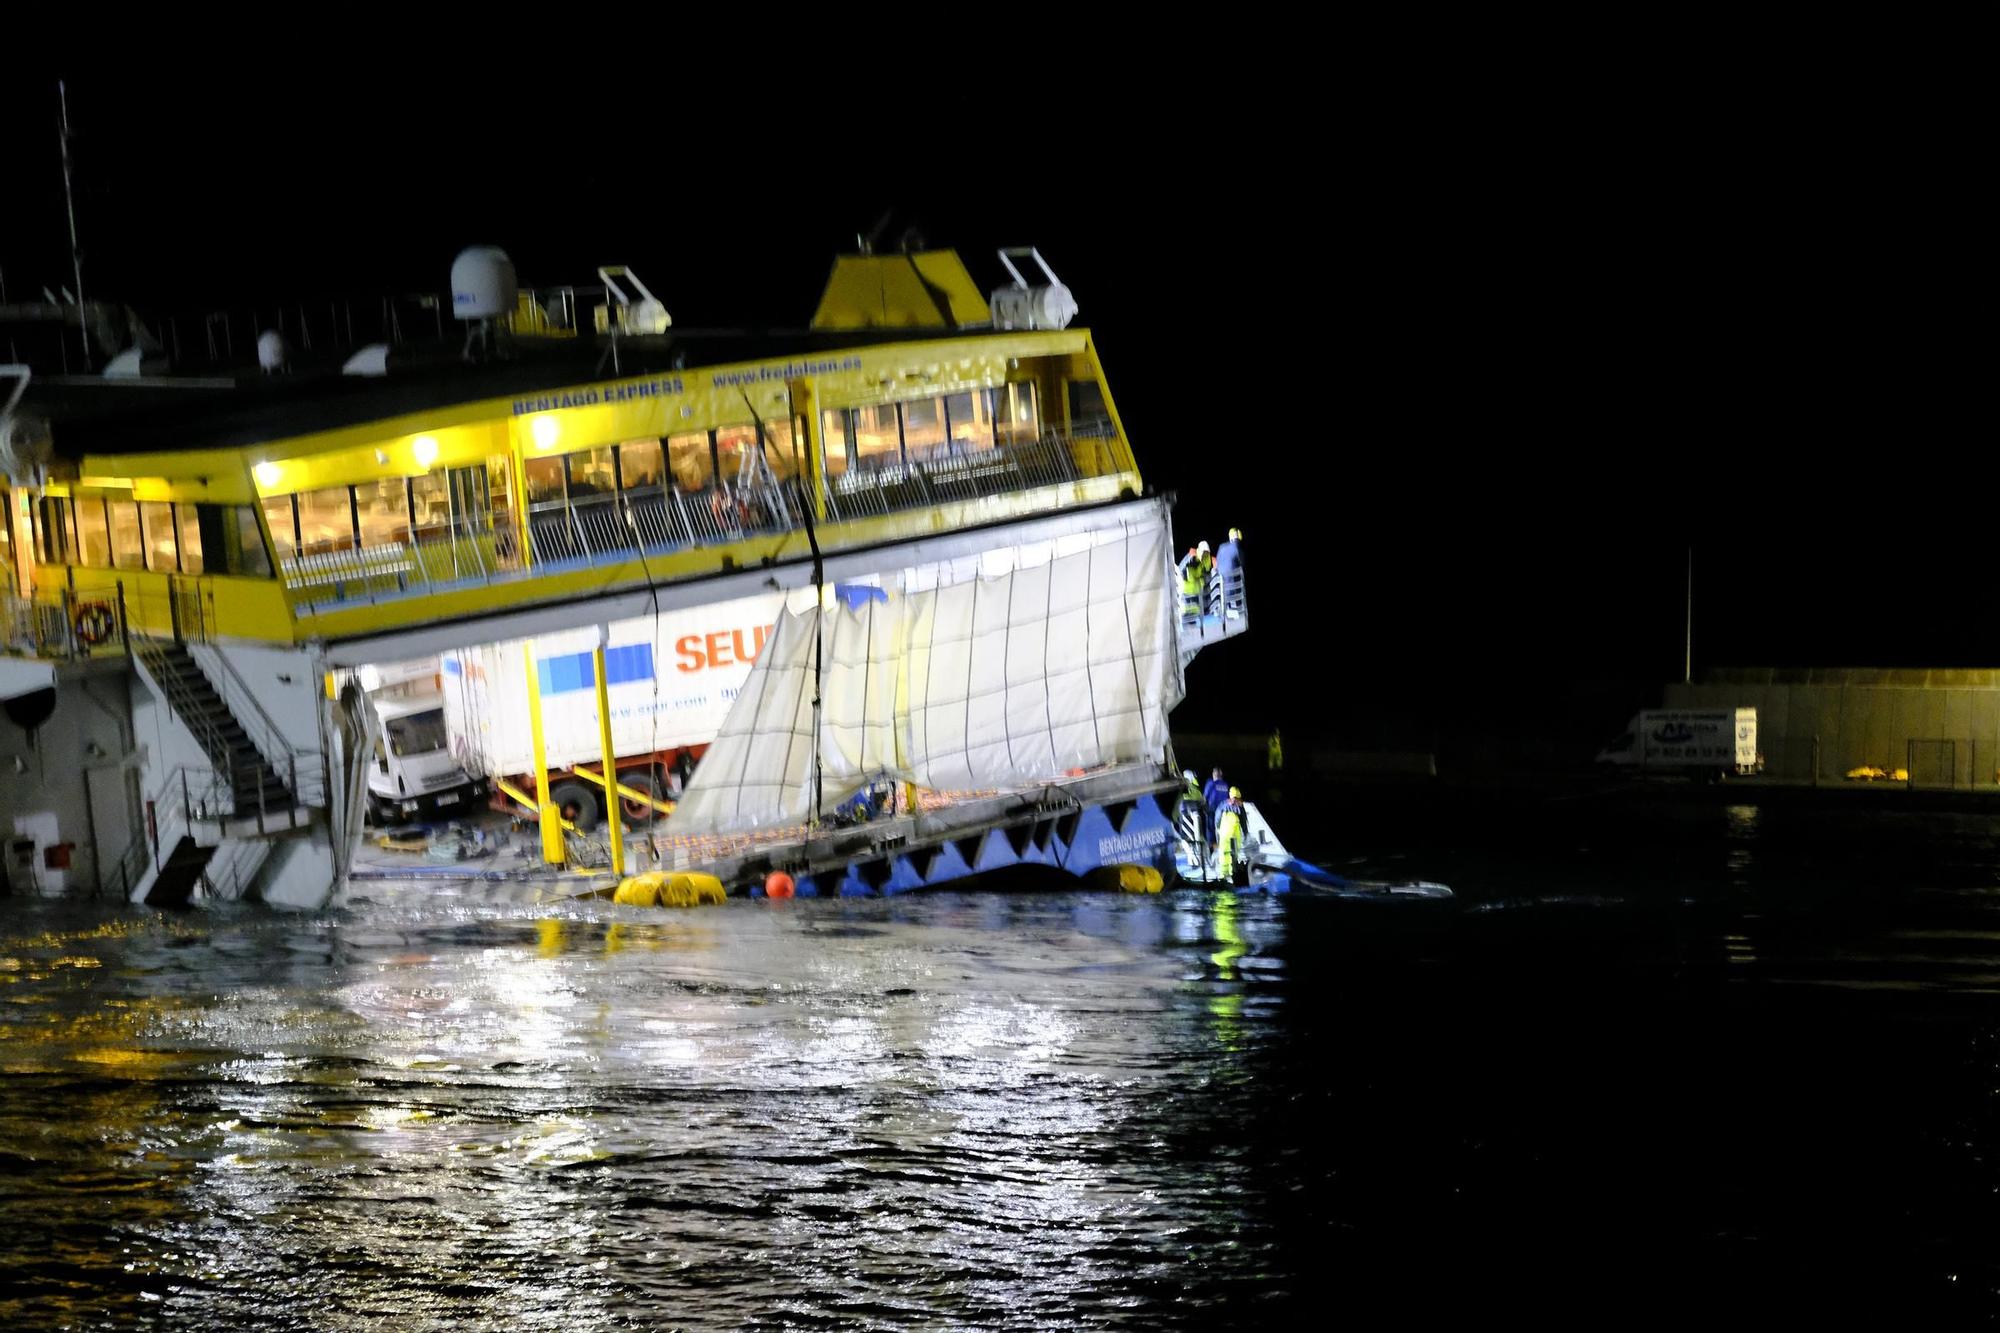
(1473, 375)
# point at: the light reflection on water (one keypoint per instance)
(1657, 1054)
(929, 1111)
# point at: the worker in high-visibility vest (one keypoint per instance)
(1229, 833)
(1193, 583)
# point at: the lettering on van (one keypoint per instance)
(735, 647)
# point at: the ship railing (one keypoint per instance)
(1217, 611)
(69, 630)
(606, 526)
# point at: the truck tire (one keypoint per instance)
(578, 804)
(641, 779)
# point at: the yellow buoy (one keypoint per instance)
(1129, 878)
(640, 890)
(692, 890)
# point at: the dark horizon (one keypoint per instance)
(1472, 388)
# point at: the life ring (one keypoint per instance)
(94, 623)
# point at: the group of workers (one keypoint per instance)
(1223, 567)
(1219, 812)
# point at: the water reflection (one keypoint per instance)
(995, 1110)
(925, 1110)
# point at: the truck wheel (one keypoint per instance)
(641, 779)
(578, 804)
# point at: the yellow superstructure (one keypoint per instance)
(554, 493)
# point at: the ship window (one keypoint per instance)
(923, 424)
(1086, 401)
(780, 451)
(382, 510)
(876, 434)
(7, 540)
(248, 555)
(499, 482)
(687, 455)
(591, 473)
(156, 521)
(190, 531)
(93, 536)
(971, 418)
(1018, 418)
(127, 550)
(430, 502)
(58, 533)
(326, 521)
(732, 445)
(833, 434)
(545, 480)
(641, 464)
(284, 521)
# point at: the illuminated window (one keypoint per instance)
(591, 473)
(545, 480)
(326, 521)
(93, 537)
(127, 550)
(482, 505)
(189, 522)
(1018, 420)
(642, 464)
(782, 448)
(430, 501)
(688, 457)
(732, 445)
(971, 419)
(833, 434)
(383, 509)
(156, 521)
(923, 424)
(284, 525)
(876, 434)
(500, 491)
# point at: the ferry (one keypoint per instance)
(880, 603)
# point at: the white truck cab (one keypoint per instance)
(413, 774)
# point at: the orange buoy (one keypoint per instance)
(778, 884)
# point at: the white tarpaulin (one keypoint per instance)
(992, 682)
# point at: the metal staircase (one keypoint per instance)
(258, 788)
(212, 824)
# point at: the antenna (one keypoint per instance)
(69, 202)
(866, 244)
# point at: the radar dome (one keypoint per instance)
(483, 285)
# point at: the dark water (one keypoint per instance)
(1685, 1058)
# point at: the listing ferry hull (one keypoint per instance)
(199, 565)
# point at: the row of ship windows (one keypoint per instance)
(464, 501)
(102, 533)
(224, 539)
